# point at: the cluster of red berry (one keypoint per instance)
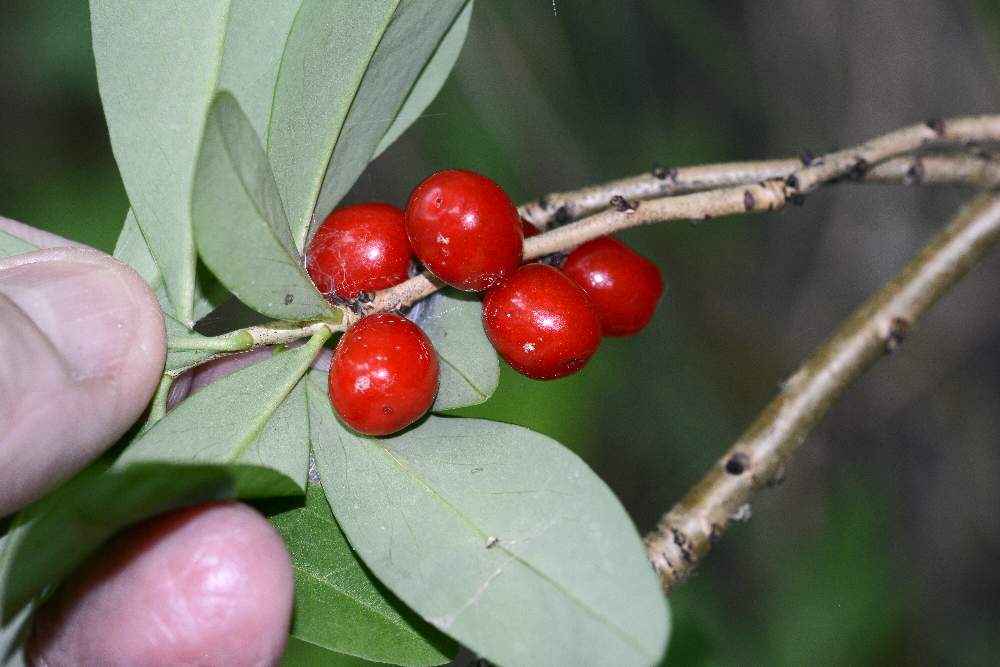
(545, 322)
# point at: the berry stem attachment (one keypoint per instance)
(250, 338)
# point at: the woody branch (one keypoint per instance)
(685, 533)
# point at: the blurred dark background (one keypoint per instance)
(882, 545)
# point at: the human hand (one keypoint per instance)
(83, 344)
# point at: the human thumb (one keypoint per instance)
(82, 346)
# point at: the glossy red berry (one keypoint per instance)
(541, 323)
(624, 286)
(384, 374)
(464, 229)
(359, 248)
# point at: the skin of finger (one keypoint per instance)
(36, 237)
(209, 585)
(83, 345)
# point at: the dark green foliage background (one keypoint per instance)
(881, 546)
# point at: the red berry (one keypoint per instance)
(624, 286)
(541, 323)
(359, 249)
(529, 229)
(384, 374)
(464, 229)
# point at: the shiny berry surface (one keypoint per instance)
(624, 286)
(465, 229)
(359, 248)
(541, 323)
(384, 374)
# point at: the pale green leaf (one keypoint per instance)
(470, 369)
(339, 605)
(255, 416)
(157, 70)
(239, 223)
(499, 536)
(132, 249)
(58, 532)
(431, 79)
(408, 44)
(11, 245)
(326, 55)
(12, 637)
(255, 43)
(346, 73)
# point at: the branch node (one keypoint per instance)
(749, 201)
(915, 174)
(680, 539)
(792, 181)
(664, 173)
(898, 328)
(937, 125)
(858, 171)
(807, 157)
(622, 205)
(738, 463)
(562, 215)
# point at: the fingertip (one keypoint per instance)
(211, 584)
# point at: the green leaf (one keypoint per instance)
(239, 223)
(470, 369)
(497, 535)
(14, 632)
(157, 70)
(339, 605)
(431, 79)
(255, 43)
(11, 245)
(299, 653)
(12, 638)
(132, 249)
(255, 416)
(58, 532)
(347, 70)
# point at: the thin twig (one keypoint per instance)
(759, 186)
(685, 534)
(563, 207)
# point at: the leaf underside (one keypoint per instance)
(498, 536)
